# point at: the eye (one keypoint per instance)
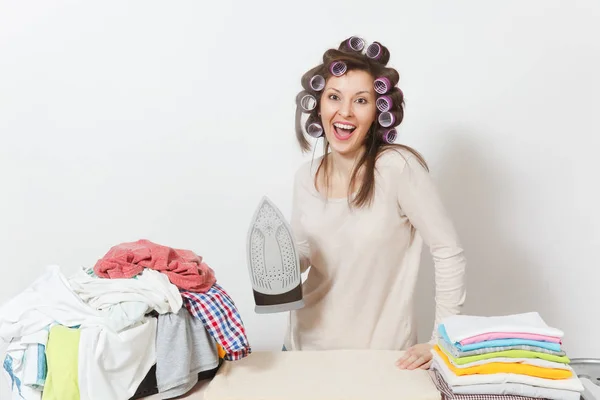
(362, 100)
(333, 97)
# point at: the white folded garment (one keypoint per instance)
(320, 375)
(518, 389)
(459, 327)
(573, 383)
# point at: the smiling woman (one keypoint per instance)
(361, 216)
(348, 110)
(356, 106)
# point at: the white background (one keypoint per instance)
(169, 121)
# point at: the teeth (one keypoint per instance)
(343, 126)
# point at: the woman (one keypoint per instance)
(362, 212)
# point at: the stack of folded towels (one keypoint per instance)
(502, 357)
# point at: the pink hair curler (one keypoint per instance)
(389, 136)
(315, 130)
(382, 85)
(317, 83)
(384, 103)
(386, 119)
(338, 68)
(356, 43)
(374, 51)
(308, 102)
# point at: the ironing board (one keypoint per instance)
(320, 375)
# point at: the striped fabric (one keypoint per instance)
(220, 317)
(35, 367)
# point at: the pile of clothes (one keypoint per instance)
(145, 319)
(502, 357)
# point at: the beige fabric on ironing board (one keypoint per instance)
(320, 375)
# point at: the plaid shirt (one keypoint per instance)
(448, 394)
(221, 319)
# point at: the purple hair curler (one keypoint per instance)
(308, 102)
(338, 68)
(384, 103)
(386, 119)
(315, 130)
(356, 43)
(389, 136)
(382, 85)
(374, 51)
(317, 83)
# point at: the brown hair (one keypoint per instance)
(374, 143)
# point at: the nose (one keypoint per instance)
(345, 109)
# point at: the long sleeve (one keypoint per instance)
(419, 200)
(300, 238)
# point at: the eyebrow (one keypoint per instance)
(359, 92)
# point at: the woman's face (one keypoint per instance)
(348, 110)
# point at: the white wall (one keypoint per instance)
(169, 121)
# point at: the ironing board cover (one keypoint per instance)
(320, 375)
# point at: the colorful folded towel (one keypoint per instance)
(573, 383)
(506, 368)
(503, 353)
(502, 357)
(499, 342)
(510, 335)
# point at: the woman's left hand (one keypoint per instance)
(417, 356)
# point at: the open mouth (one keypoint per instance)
(343, 131)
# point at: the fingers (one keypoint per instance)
(402, 362)
(426, 365)
(406, 359)
(419, 360)
(412, 360)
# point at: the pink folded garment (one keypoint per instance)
(184, 268)
(509, 335)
